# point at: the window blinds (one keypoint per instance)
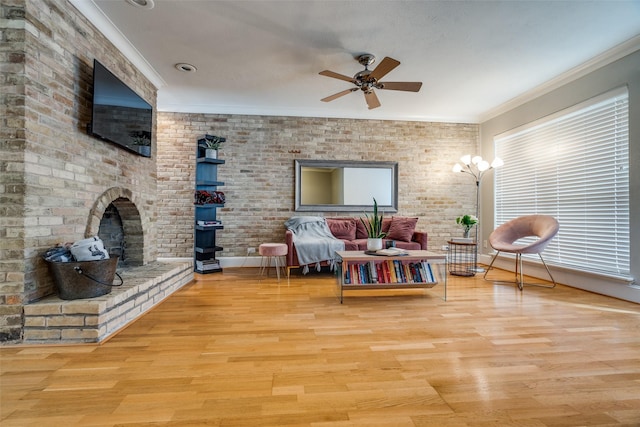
(573, 165)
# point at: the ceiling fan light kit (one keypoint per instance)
(368, 80)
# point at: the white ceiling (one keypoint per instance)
(475, 58)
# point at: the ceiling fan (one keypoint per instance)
(368, 80)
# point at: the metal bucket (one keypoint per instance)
(84, 279)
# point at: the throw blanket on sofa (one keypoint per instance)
(313, 241)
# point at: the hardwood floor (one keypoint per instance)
(234, 349)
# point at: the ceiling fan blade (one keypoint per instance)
(337, 76)
(372, 99)
(385, 66)
(407, 86)
(338, 95)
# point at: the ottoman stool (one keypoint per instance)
(272, 251)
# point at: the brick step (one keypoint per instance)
(52, 320)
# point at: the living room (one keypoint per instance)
(66, 171)
(231, 349)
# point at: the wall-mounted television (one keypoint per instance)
(119, 115)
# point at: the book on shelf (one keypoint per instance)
(209, 223)
(389, 271)
(209, 264)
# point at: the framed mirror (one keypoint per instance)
(345, 186)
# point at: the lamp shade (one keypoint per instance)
(483, 165)
(457, 168)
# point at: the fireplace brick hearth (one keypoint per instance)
(52, 320)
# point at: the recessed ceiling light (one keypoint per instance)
(187, 68)
(145, 4)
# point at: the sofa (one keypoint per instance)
(351, 231)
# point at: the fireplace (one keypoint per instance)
(116, 219)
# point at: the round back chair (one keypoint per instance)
(504, 238)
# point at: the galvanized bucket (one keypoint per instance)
(84, 279)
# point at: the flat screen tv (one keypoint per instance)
(119, 115)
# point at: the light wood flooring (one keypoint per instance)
(234, 349)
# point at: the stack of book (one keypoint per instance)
(209, 223)
(208, 265)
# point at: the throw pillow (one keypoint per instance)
(361, 232)
(344, 229)
(402, 228)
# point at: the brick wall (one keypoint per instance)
(52, 171)
(259, 172)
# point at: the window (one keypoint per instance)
(573, 165)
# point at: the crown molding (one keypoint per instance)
(620, 51)
(94, 14)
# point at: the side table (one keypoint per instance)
(462, 258)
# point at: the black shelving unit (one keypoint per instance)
(206, 222)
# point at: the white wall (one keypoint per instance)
(625, 71)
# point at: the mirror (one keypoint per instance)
(351, 186)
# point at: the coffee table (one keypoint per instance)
(357, 270)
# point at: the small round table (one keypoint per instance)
(462, 258)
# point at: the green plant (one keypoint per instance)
(373, 223)
(467, 222)
(213, 142)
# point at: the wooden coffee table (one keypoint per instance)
(357, 270)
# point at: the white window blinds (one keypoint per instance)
(573, 165)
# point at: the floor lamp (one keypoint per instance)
(476, 167)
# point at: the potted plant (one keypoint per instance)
(467, 222)
(373, 225)
(212, 144)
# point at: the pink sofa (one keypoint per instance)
(351, 231)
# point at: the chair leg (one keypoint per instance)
(262, 264)
(519, 275)
(490, 265)
(548, 272)
(519, 278)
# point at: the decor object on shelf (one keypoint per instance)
(204, 197)
(211, 143)
(373, 225)
(467, 222)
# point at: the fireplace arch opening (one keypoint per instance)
(116, 219)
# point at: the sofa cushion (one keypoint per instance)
(386, 224)
(361, 232)
(402, 228)
(343, 229)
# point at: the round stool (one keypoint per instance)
(272, 251)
